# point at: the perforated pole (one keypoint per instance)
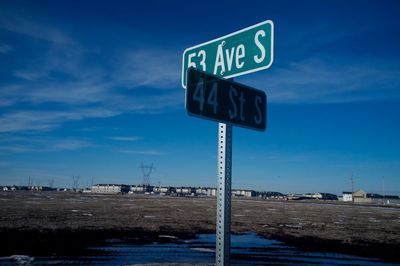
(223, 242)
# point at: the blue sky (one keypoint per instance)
(92, 88)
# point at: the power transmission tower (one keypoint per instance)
(352, 188)
(51, 182)
(383, 189)
(146, 171)
(75, 180)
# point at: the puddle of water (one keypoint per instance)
(247, 249)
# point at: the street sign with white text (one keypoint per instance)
(210, 97)
(241, 52)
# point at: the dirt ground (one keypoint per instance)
(45, 219)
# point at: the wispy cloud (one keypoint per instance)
(319, 81)
(130, 138)
(5, 48)
(45, 120)
(72, 144)
(42, 144)
(144, 152)
(29, 27)
(62, 74)
(30, 75)
(153, 68)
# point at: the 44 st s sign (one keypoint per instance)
(241, 52)
(222, 100)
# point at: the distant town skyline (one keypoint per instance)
(93, 89)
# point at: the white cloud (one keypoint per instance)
(28, 27)
(36, 144)
(153, 68)
(64, 74)
(71, 145)
(30, 75)
(318, 81)
(130, 138)
(144, 152)
(23, 121)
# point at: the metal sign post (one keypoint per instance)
(205, 68)
(223, 248)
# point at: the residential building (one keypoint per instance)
(110, 188)
(347, 196)
(243, 193)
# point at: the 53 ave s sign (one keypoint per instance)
(241, 52)
(210, 97)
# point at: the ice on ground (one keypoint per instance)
(168, 236)
(18, 259)
(210, 250)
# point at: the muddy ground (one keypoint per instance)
(61, 222)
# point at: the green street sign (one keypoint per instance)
(241, 52)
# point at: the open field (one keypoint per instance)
(53, 221)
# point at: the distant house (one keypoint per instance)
(201, 191)
(185, 190)
(138, 189)
(243, 193)
(347, 196)
(141, 189)
(360, 196)
(211, 192)
(328, 196)
(161, 190)
(110, 188)
(271, 195)
(374, 196)
(313, 196)
(11, 188)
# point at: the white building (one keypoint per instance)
(138, 189)
(161, 189)
(359, 196)
(211, 192)
(201, 191)
(185, 190)
(109, 188)
(347, 196)
(243, 193)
